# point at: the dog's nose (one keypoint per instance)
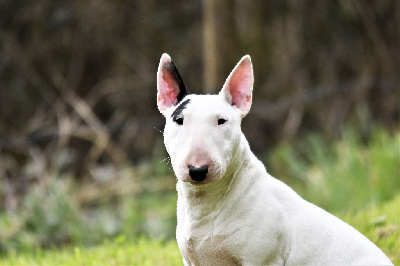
(198, 174)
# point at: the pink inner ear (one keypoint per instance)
(240, 85)
(168, 88)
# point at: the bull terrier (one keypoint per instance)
(230, 211)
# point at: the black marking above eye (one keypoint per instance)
(221, 121)
(177, 116)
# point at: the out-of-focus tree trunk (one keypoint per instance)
(218, 28)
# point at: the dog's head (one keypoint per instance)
(202, 132)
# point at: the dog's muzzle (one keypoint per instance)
(198, 174)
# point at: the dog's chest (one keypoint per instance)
(201, 247)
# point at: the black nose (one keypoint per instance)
(198, 174)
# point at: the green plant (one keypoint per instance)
(47, 217)
(345, 175)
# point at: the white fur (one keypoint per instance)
(240, 215)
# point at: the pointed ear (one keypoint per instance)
(238, 87)
(170, 87)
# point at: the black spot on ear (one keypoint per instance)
(173, 71)
(178, 111)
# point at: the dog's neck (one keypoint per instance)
(206, 199)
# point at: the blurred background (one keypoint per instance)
(81, 151)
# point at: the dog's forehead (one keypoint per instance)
(200, 105)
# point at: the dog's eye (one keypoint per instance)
(179, 121)
(221, 121)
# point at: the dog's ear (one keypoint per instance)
(170, 87)
(238, 87)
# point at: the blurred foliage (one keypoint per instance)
(65, 212)
(81, 152)
(344, 175)
(380, 224)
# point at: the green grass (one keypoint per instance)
(380, 224)
(117, 252)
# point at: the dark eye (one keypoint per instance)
(221, 121)
(179, 121)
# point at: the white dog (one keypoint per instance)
(230, 210)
